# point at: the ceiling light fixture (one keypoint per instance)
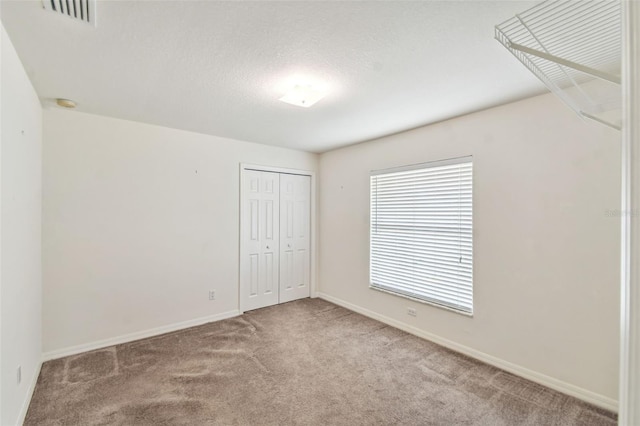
(65, 103)
(303, 95)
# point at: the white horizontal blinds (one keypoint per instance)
(421, 232)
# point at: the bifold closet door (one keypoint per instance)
(295, 227)
(259, 262)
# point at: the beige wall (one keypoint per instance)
(20, 242)
(139, 223)
(546, 254)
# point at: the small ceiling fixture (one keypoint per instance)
(303, 95)
(65, 103)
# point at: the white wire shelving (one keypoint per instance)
(574, 48)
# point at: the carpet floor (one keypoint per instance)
(307, 362)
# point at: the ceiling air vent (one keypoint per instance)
(81, 10)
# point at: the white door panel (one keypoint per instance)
(275, 238)
(260, 232)
(295, 204)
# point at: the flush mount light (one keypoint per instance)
(65, 103)
(303, 95)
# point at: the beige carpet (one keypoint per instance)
(307, 362)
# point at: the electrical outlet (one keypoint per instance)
(412, 312)
(19, 374)
(212, 295)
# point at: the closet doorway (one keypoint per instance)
(275, 236)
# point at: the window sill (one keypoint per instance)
(426, 302)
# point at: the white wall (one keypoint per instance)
(546, 254)
(20, 220)
(139, 223)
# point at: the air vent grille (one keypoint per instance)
(81, 10)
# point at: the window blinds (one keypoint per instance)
(421, 232)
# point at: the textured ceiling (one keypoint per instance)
(218, 67)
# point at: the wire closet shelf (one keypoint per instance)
(574, 48)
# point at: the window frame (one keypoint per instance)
(426, 165)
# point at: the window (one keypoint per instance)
(421, 232)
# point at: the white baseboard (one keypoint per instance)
(74, 350)
(534, 376)
(32, 387)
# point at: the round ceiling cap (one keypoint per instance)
(65, 103)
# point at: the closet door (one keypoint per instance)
(295, 221)
(259, 257)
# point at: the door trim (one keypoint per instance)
(312, 244)
(629, 379)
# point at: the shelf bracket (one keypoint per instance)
(594, 72)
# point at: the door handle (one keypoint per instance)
(267, 247)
